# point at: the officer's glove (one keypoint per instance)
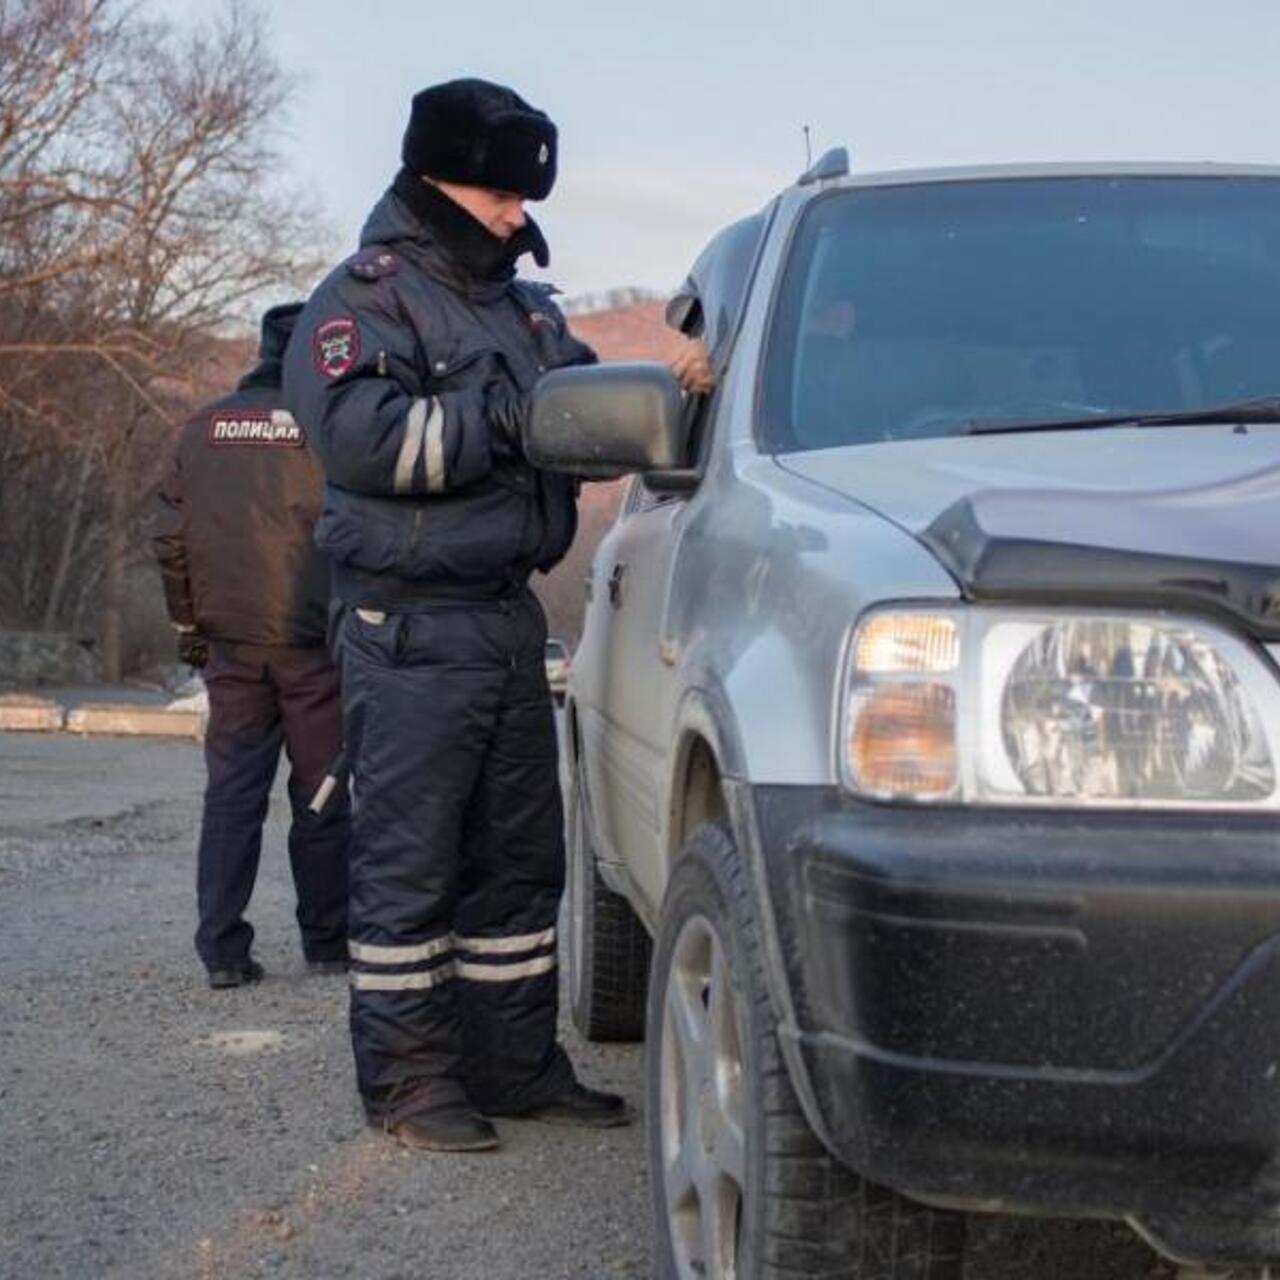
(193, 648)
(508, 411)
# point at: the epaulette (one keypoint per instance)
(538, 300)
(373, 264)
(542, 290)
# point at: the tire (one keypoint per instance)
(609, 948)
(783, 1207)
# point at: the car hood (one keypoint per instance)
(1170, 517)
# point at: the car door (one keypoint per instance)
(637, 687)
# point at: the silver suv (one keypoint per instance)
(927, 719)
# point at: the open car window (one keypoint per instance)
(709, 303)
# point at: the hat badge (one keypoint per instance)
(544, 154)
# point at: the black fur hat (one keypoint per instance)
(482, 135)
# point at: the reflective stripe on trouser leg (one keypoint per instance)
(416, 729)
(413, 966)
(506, 957)
(512, 880)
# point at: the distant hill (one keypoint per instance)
(636, 332)
(607, 300)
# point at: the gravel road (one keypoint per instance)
(152, 1128)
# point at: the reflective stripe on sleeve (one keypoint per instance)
(504, 972)
(402, 981)
(433, 449)
(368, 953)
(412, 443)
(507, 946)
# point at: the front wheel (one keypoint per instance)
(742, 1188)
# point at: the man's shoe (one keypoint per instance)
(455, 1128)
(241, 976)
(577, 1105)
(328, 967)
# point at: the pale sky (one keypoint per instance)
(677, 117)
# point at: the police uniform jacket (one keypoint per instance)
(400, 361)
(236, 516)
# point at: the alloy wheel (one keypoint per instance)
(703, 1136)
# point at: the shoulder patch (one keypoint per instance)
(536, 298)
(335, 346)
(373, 264)
(255, 426)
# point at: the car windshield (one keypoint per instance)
(936, 309)
(556, 650)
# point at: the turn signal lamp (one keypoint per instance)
(902, 740)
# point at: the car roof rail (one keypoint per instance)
(831, 164)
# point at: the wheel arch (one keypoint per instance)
(706, 755)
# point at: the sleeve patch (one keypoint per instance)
(335, 346)
(373, 264)
(277, 429)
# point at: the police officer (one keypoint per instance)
(412, 372)
(247, 591)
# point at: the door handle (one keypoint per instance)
(615, 584)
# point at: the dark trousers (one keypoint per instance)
(260, 698)
(457, 862)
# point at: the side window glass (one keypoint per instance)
(709, 306)
(709, 303)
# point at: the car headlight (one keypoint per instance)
(1012, 706)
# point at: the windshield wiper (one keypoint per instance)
(1266, 409)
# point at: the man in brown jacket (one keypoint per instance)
(248, 594)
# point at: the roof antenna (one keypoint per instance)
(808, 149)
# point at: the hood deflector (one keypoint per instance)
(1214, 548)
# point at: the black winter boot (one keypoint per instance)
(453, 1127)
(577, 1106)
(241, 976)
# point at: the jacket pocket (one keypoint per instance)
(473, 536)
(461, 366)
(364, 533)
(559, 502)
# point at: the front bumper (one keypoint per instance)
(1047, 1012)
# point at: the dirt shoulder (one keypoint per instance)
(152, 1128)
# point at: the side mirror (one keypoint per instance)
(602, 421)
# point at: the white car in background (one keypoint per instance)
(557, 668)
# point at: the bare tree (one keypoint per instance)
(198, 116)
(56, 174)
(140, 215)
